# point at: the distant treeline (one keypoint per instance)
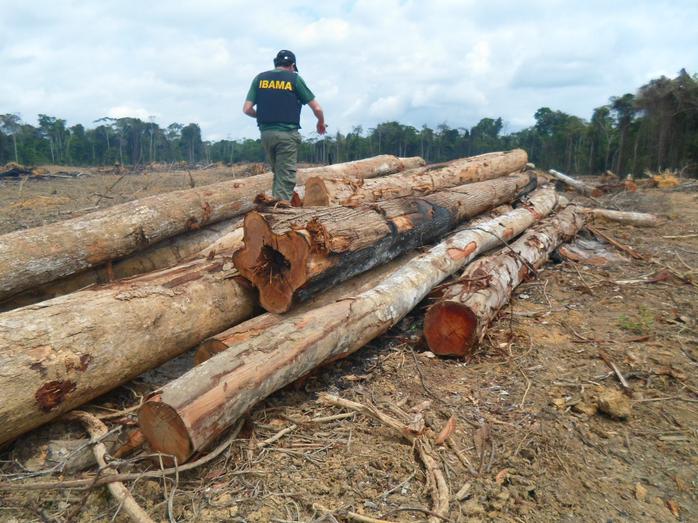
(655, 128)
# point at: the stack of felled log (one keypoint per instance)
(267, 294)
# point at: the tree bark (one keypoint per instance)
(259, 324)
(166, 253)
(457, 322)
(638, 219)
(61, 353)
(36, 256)
(290, 255)
(189, 413)
(418, 182)
(577, 185)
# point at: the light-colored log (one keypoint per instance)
(455, 324)
(417, 182)
(289, 255)
(577, 185)
(36, 256)
(638, 219)
(189, 413)
(166, 253)
(59, 354)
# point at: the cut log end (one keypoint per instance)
(164, 430)
(274, 263)
(450, 328)
(316, 193)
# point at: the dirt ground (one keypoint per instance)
(543, 429)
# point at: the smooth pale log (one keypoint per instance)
(166, 253)
(417, 182)
(638, 219)
(59, 354)
(455, 324)
(577, 185)
(189, 413)
(291, 254)
(32, 257)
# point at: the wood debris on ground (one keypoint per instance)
(572, 394)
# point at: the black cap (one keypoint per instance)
(285, 57)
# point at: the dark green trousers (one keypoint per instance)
(282, 153)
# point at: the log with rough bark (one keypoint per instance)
(418, 182)
(257, 325)
(638, 219)
(36, 256)
(59, 354)
(292, 254)
(189, 413)
(455, 324)
(577, 185)
(166, 253)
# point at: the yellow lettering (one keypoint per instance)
(288, 86)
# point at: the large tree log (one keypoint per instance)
(292, 254)
(259, 324)
(61, 353)
(190, 412)
(578, 185)
(455, 324)
(166, 253)
(638, 219)
(418, 182)
(32, 257)
(344, 291)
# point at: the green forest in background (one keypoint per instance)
(656, 128)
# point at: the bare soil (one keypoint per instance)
(528, 406)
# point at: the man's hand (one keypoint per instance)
(248, 109)
(321, 127)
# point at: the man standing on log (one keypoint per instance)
(279, 95)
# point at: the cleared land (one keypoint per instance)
(526, 406)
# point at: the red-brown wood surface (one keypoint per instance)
(289, 255)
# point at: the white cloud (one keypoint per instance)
(127, 111)
(418, 62)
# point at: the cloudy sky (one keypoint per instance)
(367, 61)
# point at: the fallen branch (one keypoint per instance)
(121, 494)
(625, 248)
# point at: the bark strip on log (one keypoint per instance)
(292, 254)
(189, 413)
(36, 256)
(638, 219)
(455, 324)
(418, 182)
(259, 324)
(166, 253)
(577, 185)
(59, 354)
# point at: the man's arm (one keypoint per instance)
(248, 109)
(317, 111)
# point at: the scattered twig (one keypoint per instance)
(353, 516)
(625, 248)
(96, 481)
(277, 436)
(436, 482)
(624, 383)
(121, 494)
